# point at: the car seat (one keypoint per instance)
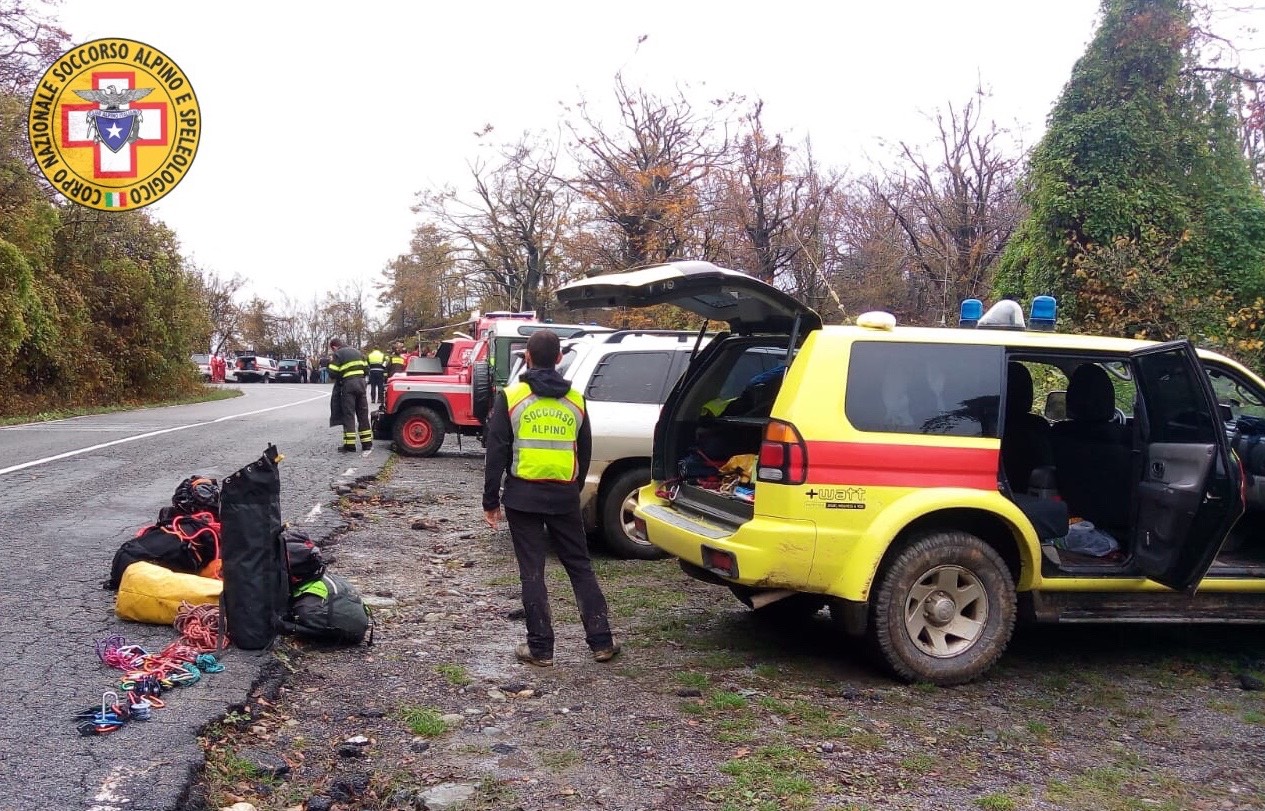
(1093, 455)
(1025, 441)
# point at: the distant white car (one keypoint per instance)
(255, 368)
(203, 362)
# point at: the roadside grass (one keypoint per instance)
(692, 679)
(453, 674)
(206, 396)
(1123, 785)
(423, 721)
(558, 760)
(995, 802)
(769, 778)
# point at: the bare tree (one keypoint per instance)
(422, 289)
(958, 211)
(506, 236)
(347, 313)
(641, 179)
(219, 303)
(763, 196)
(28, 41)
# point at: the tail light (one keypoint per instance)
(783, 455)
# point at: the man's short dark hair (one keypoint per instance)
(336, 343)
(543, 347)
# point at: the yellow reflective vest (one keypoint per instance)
(545, 431)
(377, 359)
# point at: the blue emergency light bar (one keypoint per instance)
(1041, 316)
(972, 309)
(1008, 314)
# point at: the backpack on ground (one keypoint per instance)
(329, 609)
(193, 495)
(185, 543)
(304, 561)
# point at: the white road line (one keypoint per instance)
(68, 454)
(312, 513)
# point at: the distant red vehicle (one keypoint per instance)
(452, 391)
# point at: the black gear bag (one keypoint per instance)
(256, 592)
(329, 610)
(304, 560)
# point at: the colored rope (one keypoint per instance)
(199, 626)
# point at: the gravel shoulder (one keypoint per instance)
(709, 706)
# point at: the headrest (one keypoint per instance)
(1018, 388)
(1090, 395)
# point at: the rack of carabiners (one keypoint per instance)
(146, 676)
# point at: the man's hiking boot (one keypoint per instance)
(524, 654)
(345, 449)
(606, 654)
(368, 446)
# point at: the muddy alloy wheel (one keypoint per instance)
(944, 610)
(619, 499)
(418, 432)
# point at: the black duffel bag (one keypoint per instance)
(256, 591)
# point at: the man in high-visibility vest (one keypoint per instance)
(347, 368)
(538, 439)
(395, 363)
(377, 373)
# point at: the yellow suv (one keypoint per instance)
(903, 477)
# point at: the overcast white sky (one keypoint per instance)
(319, 126)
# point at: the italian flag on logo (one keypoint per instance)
(116, 199)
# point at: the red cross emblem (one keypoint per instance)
(77, 128)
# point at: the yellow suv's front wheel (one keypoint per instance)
(944, 609)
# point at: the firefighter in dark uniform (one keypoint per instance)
(347, 368)
(539, 441)
(377, 374)
(395, 363)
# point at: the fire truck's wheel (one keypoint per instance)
(419, 432)
(619, 499)
(481, 391)
(944, 609)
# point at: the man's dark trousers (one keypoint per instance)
(377, 385)
(531, 534)
(356, 409)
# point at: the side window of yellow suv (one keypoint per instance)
(915, 388)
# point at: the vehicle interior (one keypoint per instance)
(719, 423)
(1087, 448)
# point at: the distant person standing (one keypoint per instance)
(377, 374)
(324, 365)
(347, 368)
(395, 363)
(539, 441)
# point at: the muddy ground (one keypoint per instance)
(709, 706)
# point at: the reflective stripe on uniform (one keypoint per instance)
(545, 432)
(349, 369)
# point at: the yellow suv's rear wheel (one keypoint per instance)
(944, 610)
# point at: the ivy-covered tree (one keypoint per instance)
(1145, 218)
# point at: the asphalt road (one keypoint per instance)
(74, 490)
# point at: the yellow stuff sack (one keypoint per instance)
(150, 593)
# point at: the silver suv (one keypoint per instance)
(624, 376)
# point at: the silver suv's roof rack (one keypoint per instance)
(619, 335)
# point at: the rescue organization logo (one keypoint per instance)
(114, 124)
